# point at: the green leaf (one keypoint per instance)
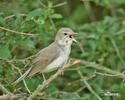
(29, 43)
(56, 16)
(4, 52)
(18, 18)
(2, 22)
(34, 13)
(32, 84)
(16, 14)
(65, 96)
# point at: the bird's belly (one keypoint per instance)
(55, 64)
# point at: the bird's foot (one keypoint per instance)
(62, 73)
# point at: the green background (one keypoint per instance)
(100, 25)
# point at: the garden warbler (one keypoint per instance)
(53, 56)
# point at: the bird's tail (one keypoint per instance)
(22, 77)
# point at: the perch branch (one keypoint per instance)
(41, 87)
(21, 33)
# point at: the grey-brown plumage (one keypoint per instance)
(44, 58)
(53, 56)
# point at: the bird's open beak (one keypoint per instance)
(73, 39)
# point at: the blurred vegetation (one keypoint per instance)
(100, 25)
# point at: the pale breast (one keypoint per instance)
(59, 61)
(55, 64)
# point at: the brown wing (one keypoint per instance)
(44, 58)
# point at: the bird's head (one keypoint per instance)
(65, 36)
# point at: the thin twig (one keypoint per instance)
(13, 97)
(89, 9)
(21, 75)
(42, 4)
(120, 32)
(24, 61)
(4, 90)
(60, 4)
(109, 75)
(48, 98)
(55, 6)
(80, 89)
(52, 22)
(86, 78)
(117, 50)
(113, 9)
(25, 84)
(81, 47)
(86, 37)
(89, 87)
(41, 87)
(9, 95)
(11, 16)
(21, 33)
(103, 68)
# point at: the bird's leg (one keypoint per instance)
(59, 69)
(44, 78)
(69, 61)
(62, 73)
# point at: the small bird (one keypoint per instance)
(53, 56)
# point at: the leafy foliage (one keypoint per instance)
(106, 45)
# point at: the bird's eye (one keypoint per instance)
(65, 33)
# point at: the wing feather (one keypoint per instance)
(44, 58)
